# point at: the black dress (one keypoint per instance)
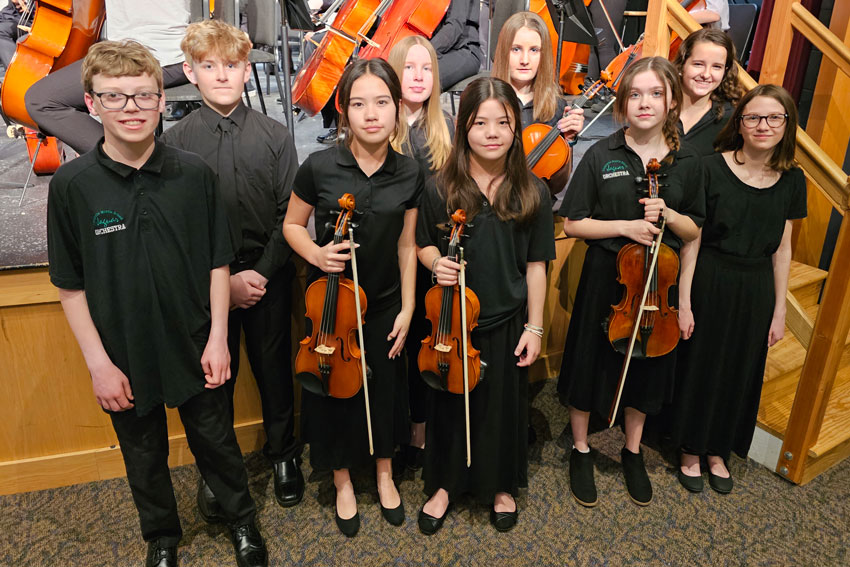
(497, 254)
(701, 136)
(605, 186)
(336, 428)
(721, 367)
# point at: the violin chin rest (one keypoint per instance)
(312, 383)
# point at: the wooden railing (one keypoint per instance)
(824, 339)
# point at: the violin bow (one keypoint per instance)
(360, 337)
(465, 353)
(611, 24)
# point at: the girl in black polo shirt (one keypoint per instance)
(524, 59)
(604, 205)
(710, 88)
(732, 298)
(386, 187)
(510, 240)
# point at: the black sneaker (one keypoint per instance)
(581, 478)
(328, 138)
(637, 481)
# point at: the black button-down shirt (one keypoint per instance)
(141, 243)
(266, 162)
(610, 179)
(701, 136)
(382, 199)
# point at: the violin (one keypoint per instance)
(317, 79)
(643, 324)
(545, 148)
(447, 360)
(404, 18)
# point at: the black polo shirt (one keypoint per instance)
(382, 200)
(141, 243)
(418, 138)
(265, 162)
(527, 113)
(610, 179)
(497, 252)
(701, 136)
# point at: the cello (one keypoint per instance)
(574, 56)
(643, 318)
(404, 18)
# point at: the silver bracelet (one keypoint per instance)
(433, 267)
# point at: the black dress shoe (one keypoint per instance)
(288, 483)
(394, 516)
(249, 546)
(208, 506)
(503, 521)
(327, 138)
(159, 556)
(582, 485)
(414, 457)
(720, 484)
(637, 481)
(691, 483)
(428, 524)
(349, 527)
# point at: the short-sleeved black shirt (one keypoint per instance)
(418, 142)
(496, 252)
(141, 243)
(746, 221)
(527, 113)
(701, 136)
(382, 199)
(610, 179)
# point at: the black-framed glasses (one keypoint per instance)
(773, 120)
(117, 101)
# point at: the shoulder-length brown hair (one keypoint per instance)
(380, 69)
(545, 87)
(517, 196)
(669, 77)
(730, 140)
(729, 90)
(437, 137)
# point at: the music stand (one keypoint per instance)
(573, 23)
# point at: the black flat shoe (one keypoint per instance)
(637, 481)
(348, 527)
(288, 483)
(249, 546)
(720, 484)
(428, 524)
(161, 556)
(394, 516)
(503, 521)
(208, 506)
(691, 483)
(582, 485)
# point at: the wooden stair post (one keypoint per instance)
(779, 39)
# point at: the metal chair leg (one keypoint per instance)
(259, 89)
(29, 174)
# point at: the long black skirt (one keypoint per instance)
(591, 368)
(498, 409)
(336, 428)
(721, 367)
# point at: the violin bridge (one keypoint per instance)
(443, 348)
(645, 308)
(325, 349)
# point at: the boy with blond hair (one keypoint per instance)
(255, 159)
(139, 249)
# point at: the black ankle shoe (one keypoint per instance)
(208, 506)
(428, 524)
(288, 483)
(637, 481)
(161, 556)
(503, 521)
(348, 527)
(249, 546)
(582, 484)
(413, 457)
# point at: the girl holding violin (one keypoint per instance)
(509, 242)
(524, 60)
(710, 87)
(386, 188)
(738, 265)
(429, 142)
(605, 206)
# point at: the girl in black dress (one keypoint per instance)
(425, 135)
(509, 242)
(710, 87)
(733, 283)
(386, 187)
(604, 205)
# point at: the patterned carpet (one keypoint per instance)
(765, 522)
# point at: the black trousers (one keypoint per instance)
(57, 105)
(267, 327)
(144, 445)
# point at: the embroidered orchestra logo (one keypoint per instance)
(615, 168)
(107, 221)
